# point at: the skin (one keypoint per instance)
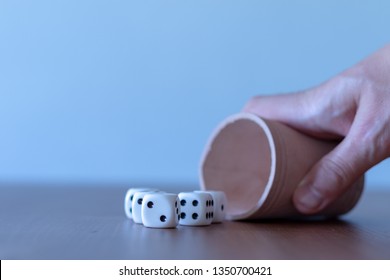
(353, 107)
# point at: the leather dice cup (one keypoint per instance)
(259, 163)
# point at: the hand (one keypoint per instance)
(354, 107)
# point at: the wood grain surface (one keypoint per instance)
(88, 222)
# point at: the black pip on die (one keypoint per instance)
(160, 210)
(137, 206)
(197, 209)
(220, 203)
(129, 197)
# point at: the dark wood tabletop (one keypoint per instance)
(88, 222)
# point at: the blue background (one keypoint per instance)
(129, 91)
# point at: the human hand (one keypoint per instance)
(353, 107)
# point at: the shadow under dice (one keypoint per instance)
(160, 210)
(196, 209)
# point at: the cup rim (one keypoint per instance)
(271, 145)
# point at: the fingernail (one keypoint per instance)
(307, 200)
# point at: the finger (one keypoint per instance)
(290, 108)
(337, 171)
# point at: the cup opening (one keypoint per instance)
(240, 161)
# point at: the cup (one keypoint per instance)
(259, 163)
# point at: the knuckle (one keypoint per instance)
(372, 140)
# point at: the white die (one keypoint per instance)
(129, 199)
(137, 205)
(220, 203)
(161, 210)
(196, 209)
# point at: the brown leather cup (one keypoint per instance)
(259, 163)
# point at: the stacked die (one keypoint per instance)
(157, 209)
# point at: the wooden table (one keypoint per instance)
(88, 222)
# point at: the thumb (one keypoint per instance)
(332, 176)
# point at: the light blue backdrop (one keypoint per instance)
(126, 91)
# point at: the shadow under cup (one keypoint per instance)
(259, 163)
